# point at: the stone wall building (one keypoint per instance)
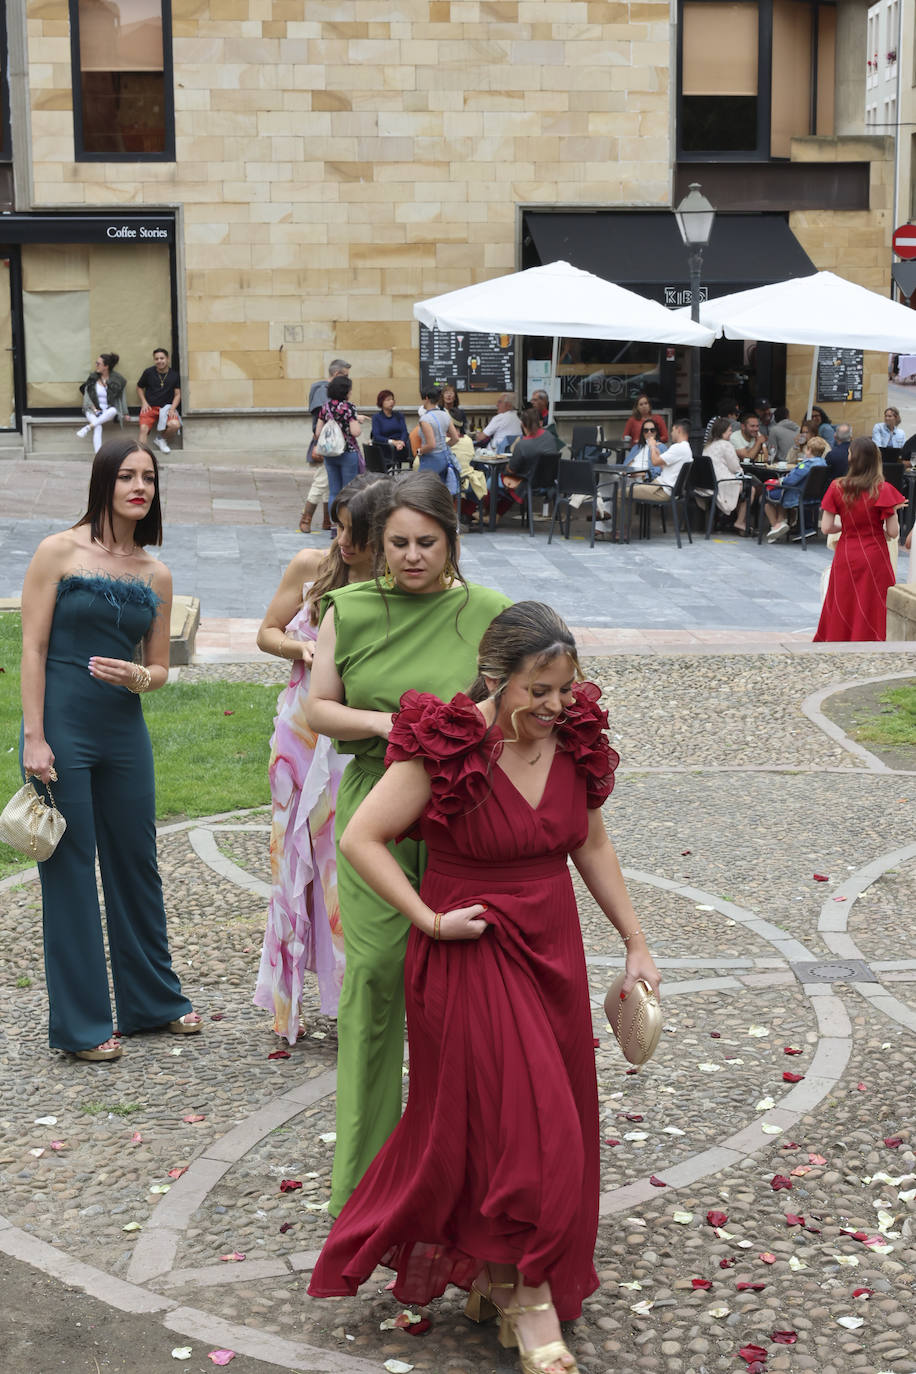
(263, 185)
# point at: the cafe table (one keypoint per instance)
(492, 464)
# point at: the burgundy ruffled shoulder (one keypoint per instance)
(583, 735)
(445, 736)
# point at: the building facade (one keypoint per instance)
(263, 185)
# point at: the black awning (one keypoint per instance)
(643, 251)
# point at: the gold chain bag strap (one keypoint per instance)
(30, 825)
(637, 1022)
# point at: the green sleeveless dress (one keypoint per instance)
(387, 642)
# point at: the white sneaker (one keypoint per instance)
(161, 445)
(81, 433)
(777, 531)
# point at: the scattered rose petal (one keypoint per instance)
(37, 1153)
(595, 1042)
(630, 1073)
(790, 1049)
(684, 852)
(216, 1016)
(728, 1263)
(767, 1257)
(746, 1244)
(862, 1292)
(46, 1121)
(136, 1138)
(796, 1265)
(634, 1116)
(779, 1181)
(820, 877)
(672, 1130)
(765, 1104)
(279, 1054)
(642, 1309)
(328, 1137)
(792, 1077)
(851, 1261)
(770, 1128)
(636, 1135)
(221, 1356)
(635, 1285)
(131, 1226)
(752, 1354)
(701, 1283)
(716, 1218)
(816, 1159)
(908, 1196)
(397, 1367)
(683, 1218)
(861, 1088)
(784, 1337)
(710, 1068)
(657, 1182)
(758, 1032)
(715, 1035)
(228, 713)
(318, 1206)
(611, 1141)
(742, 1286)
(289, 1185)
(160, 1188)
(893, 1141)
(234, 1257)
(704, 908)
(724, 1235)
(851, 1323)
(420, 1328)
(181, 1352)
(287, 1226)
(176, 1173)
(717, 1311)
(58, 1144)
(793, 1219)
(790, 1145)
(801, 1171)
(192, 1118)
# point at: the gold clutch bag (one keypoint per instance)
(637, 1022)
(30, 825)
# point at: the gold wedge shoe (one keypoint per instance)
(539, 1358)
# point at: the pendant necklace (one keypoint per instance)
(530, 762)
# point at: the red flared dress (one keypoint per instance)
(855, 607)
(497, 1155)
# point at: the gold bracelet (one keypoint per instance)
(436, 925)
(141, 680)
(632, 936)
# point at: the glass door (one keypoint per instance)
(9, 294)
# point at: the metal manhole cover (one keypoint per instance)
(835, 971)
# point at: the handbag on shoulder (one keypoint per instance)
(32, 824)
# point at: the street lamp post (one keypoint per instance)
(695, 218)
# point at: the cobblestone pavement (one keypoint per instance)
(775, 869)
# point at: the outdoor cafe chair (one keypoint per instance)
(383, 458)
(675, 500)
(704, 483)
(573, 479)
(541, 484)
(810, 494)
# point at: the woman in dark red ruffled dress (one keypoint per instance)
(491, 1179)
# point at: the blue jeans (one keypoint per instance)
(341, 469)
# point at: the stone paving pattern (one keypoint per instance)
(728, 802)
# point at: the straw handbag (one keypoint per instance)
(30, 825)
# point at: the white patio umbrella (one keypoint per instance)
(559, 300)
(824, 310)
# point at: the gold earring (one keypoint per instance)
(387, 578)
(447, 574)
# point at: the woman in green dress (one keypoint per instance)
(417, 626)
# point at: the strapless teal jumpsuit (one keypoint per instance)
(106, 793)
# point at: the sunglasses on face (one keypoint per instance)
(649, 429)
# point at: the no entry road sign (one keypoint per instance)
(904, 241)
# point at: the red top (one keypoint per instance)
(635, 423)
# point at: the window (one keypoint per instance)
(719, 94)
(122, 80)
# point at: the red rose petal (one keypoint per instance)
(892, 1141)
(792, 1077)
(705, 1283)
(634, 1116)
(791, 1145)
(779, 1181)
(176, 1173)
(790, 1049)
(228, 713)
(279, 1054)
(192, 1118)
(742, 1286)
(716, 1218)
(816, 1159)
(287, 1226)
(784, 1337)
(234, 1257)
(612, 1142)
(419, 1328)
(728, 1263)
(289, 1185)
(657, 1182)
(862, 1292)
(767, 1257)
(820, 877)
(136, 1138)
(792, 1219)
(216, 1016)
(815, 1230)
(684, 852)
(715, 1035)
(596, 1042)
(752, 1354)
(861, 1088)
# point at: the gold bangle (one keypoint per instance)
(141, 679)
(436, 925)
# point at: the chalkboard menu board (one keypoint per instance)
(473, 362)
(839, 374)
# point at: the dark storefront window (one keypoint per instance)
(6, 150)
(598, 374)
(122, 80)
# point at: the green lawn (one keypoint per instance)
(897, 722)
(210, 742)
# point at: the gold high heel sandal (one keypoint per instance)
(480, 1306)
(538, 1358)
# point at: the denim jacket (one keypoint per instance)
(795, 478)
(117, 385)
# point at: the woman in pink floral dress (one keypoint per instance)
(303, 919)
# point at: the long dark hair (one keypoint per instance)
(361, 497)
(100, 505)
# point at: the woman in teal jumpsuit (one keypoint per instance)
(91, 595)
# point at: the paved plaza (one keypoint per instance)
(773, 863)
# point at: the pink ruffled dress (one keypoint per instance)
(303, 919)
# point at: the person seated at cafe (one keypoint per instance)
(642, 410)
(783, 434)
(450, 403)
(784, 498)
(838, 456)
(388, 424)
(807, 430)
(889, 433)
(730, 476)
(540, 402)
(503, 428)
(824, 428)
(672, 460)
(728, 410)
(750, 444)
(646, 455)
(764, 412)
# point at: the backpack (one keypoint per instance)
(330, 442)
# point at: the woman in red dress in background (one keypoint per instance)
(862, 508)
(491, 1179)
